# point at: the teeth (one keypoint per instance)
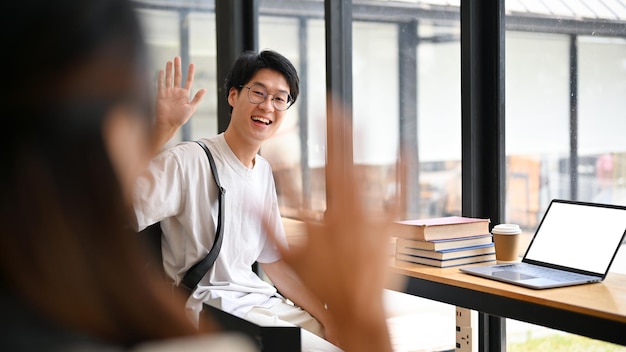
(261, 119)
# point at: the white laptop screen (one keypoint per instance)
(578, 236)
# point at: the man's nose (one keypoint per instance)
(268, 103)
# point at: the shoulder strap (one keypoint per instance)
(198, 270)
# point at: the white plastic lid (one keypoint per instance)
(507, 229)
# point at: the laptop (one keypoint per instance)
(574, 244)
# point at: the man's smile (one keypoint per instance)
(262, 120)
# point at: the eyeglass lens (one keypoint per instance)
(257, 94)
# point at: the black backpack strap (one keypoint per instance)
(198, 270)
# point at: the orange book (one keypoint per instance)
(440, 228)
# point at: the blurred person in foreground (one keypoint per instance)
(76, 116)
(78, 132)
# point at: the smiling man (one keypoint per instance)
(179, 191)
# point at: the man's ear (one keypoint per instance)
(233, 94)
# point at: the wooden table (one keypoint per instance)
(594, 310)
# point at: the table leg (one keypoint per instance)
(491, 333)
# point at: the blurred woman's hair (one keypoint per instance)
(66, 250)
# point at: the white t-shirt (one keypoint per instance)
(179, 191)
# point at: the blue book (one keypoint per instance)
(448, 243)
(451, 253)
(484, 258)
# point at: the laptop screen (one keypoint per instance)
(579, 235)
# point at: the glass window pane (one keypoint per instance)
(298, 151)
(163, 33)
(376, 107)
(537, 94)
(439, 119)
(406, 78)
(601, 145)
(202, 52)
(565, 88)
(407, 100)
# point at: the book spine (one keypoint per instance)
(446, 263)
(452, 253)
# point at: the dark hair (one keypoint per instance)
(65, 247)
(249, 62)
(69, 56)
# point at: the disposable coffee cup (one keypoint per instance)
(506, 238)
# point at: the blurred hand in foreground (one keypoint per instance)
(345, 260)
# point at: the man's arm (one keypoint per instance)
(290, 286)
(344, 264)
(344, 261)
(173, 107)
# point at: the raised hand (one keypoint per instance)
(173, 106)
(345, 259)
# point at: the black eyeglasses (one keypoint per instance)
(258, 94)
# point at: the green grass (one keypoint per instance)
(563, 343)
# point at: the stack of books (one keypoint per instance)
(444, 242)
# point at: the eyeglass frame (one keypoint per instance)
(289, 97)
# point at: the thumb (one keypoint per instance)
(197, 98)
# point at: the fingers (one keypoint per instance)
(189, 83)
(339, 163)
(168, 74)
(160, 79)
(178, 72)
(190, 73)
(175, 77)
(198, 97)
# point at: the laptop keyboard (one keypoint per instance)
(538, 271)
